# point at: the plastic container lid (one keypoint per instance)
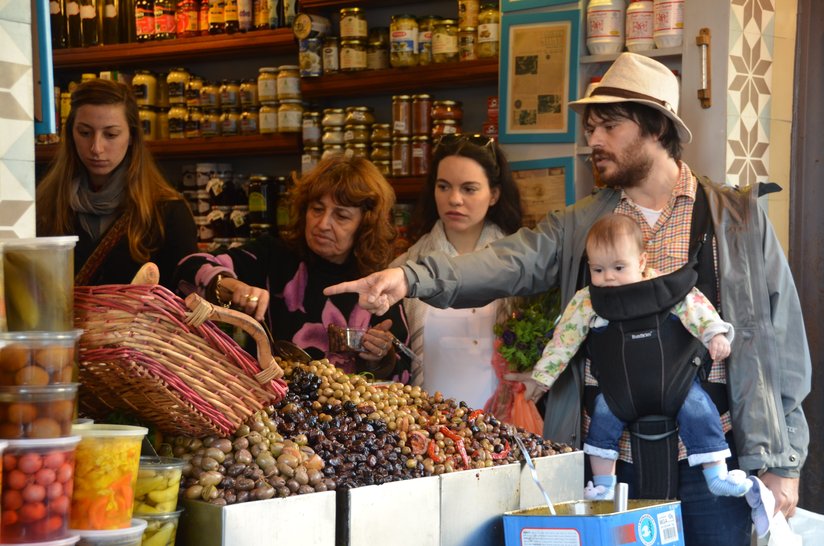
(32, 336)
(99, 430)
(33, 443)
(161, 463)
(59, 542)
(34, 242)
(168, 516)
(38, 393)
(114, 537)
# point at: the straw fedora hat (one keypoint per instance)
(637, 78)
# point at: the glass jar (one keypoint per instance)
(193, 91)
(377, 56)
(333, 135)
(148, 121)
(356, 149)
(330, 56)
(178, 114)
(401, 156)
(401, 115)
(468, 13)
(288, 82)
(488, 31)
(290, 116)
(210, 124)
(381, 132)
(421, 114)
(187, 19)
(353, 25)
(267, 84)
(426, 25)
(177, 80)
(268, 118)
(352, 55)
(445, 41)
(144, 87)
(309, 159)
(359, 115)
(262, 198)
(381, 151)
(333, 117)
(421, 151)
(447, 109)
(356, 134)
(385, 167)
(249, 121)
(466, 44)
(230, 122)
(193, 122)
(230, 94)
(442, 127)
(210, 95)
(331, 149)
(403, 35)
(248, 93)
(311, 129)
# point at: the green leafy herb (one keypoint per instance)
(527, 331)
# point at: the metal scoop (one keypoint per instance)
(534, 473)
(286, 349)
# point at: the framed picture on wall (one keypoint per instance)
(515, 5)
(539, 67)
(546, 185)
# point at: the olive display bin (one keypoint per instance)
(561, 475)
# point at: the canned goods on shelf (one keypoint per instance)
(331, 149)
(403, 35)
(381, 132)
(310, 25)
(401, 115)
(177, 80)
(290, 116)
(353, 24)
(381, 151)
(210, 123)
(401, 156)
(210, 95)
(178, 114)
(230, 122)
(288, 82)
(333, 135)
(144, 87)
(267, 84)
(359, 114)
(248, 93)
(311, 128)
(467, 38)
(356, 134)
(352, 55)
(194, 123)
(249, 120)
(426, 25)
(468, 13)
(447, 109)
(330, 55)
(442, 127)
(229, 94)
(333, 117)
(193, 91)
(310, 57)
(377, 56)
(445, 41)
(268, 118)
(421, 152)
(421, 114)
(488, 31)
(148, 121)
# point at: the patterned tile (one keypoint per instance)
(16, 10)
(18, 180)
(15, 42)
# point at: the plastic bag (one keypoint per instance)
(804, 528)
(525, 414)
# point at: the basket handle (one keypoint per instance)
(202, 310)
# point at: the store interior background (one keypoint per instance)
(769, 46)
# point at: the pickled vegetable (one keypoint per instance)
(160, 529)
(37, 411)
(158, 484)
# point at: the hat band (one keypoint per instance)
(626, 94)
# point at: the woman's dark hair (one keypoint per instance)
(651, 121)
(506, 212)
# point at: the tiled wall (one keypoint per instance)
(16, 121)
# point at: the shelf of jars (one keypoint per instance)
(279, 41)
(395, 80)
(655, 53)
(315, 5)
(235, 146)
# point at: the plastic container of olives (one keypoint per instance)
(38, 358)
(37, 411)
(108, 457)
(131, 536)
(38, 281)
(161, 529)
(158, 485)
(37, 482)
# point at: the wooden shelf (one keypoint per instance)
(223, 46)
(655, 53)
(316, 5)
(235, 146)
(393, 80)
(407, 188)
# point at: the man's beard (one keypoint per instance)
(631, 168)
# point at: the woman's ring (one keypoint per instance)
(252, 298)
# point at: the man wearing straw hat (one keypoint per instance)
(632, 125)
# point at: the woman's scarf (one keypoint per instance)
(97, 210)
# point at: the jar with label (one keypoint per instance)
(442, 127)
(267, 84)
(215, 17)
(210, 95)
(193, 91)
(309, 159)
(381, 151)
(177, 80)
(445, 41)
(333, 135)
(466, 44)
(333, 117)
(144, 87)
(210, 124)
(353, 25)
(310, 57)
(403, 36)
(186, 19)
(248, 93)
(356, 134)
(330, 55)
(447, 109)
(288, 82)
(162, 123)
(311, 128)
(356, 149)
(229, 94)
(426, 25)
(268, 118)
(230, 122)
(262, 198)
(489, 19)
(359, 114)
(385, 167)
(401, 156)
(468, 13)
(421, 114)
(401, 115)
(352, 55)
(669, 23)
(331, 149)
(249, 120)
(605, 26)
(290, 116)
(640, 25)
(377, 55)
(148, 121)
(381, 132)
(165, 27)
(194, 122)
(178, 114)
(310, 25)
(421, 151)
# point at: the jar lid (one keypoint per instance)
(267, 69)
(422, 96)
(352, 42)
(381, 144)
(444, 122)
(333, 129)
(401, 97)
(178, 69)
(359, 108)
(468, 29)
(445, 22)
(330, 39)
(288, 67)
(333, 110)
(356, 127)
(311, 114)
(403, 16)
(381, 126)
(349, 10)
(356, 145)
(143, 71)
(421, 137)
(402, 139)
(446, 103)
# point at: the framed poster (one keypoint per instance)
(515, 5)
(545, 185)
(539, 74)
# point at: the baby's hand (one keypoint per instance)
(719, 347)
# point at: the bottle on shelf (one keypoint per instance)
(605, 26)
(186, 18)
(669, 23)
(231, 21)
(245, 15)
(89, 24)
(110, 21)
(73, 23)
(126, 14)
(164, 15)
(144, 19)
(639, 26)
(57, 19)
(217, 23)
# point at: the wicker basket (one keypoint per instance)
(141, 352)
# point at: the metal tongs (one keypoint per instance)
(534, 473)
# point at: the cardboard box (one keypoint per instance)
(595, 523)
